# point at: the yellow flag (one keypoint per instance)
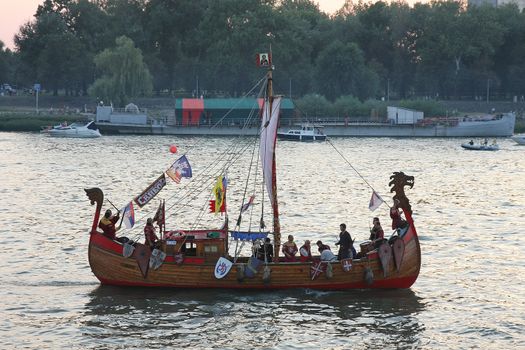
(219, 193)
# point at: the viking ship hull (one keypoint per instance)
(112, 268)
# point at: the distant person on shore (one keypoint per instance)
(107, 224)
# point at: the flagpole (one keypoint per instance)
(275, 204)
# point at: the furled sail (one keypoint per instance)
(270, 122)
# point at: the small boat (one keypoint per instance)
(306, 133)
(519, 139)
(207, 253)
(76, 130)
(480, 146)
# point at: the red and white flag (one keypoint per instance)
(375, 201)
(317, 269)
(247, 205)
(128, 216)
(346, 264)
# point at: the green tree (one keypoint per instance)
(49, 50)
(347, 106)
(124, 74)
(170, 31)
(313, 106)
(341, 70)
(4, 53)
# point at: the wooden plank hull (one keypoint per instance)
(110, 267)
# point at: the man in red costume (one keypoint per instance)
(305, 252)
(107, 224)
(395, 215)
(149, 233)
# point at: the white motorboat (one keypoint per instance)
(77, 130)
(306, 133)
(519, 139)
(480, 146)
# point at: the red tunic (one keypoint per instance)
(289, 250)
(396, 218)
(376, 233)
(149, 234)
(108, 226)
(305, 249)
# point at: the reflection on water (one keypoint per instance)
(198, 317)
(468, 210)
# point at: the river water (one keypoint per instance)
(468, 208)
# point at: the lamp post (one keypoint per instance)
(488, 90)
(36, 87)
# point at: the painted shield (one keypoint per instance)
(252, 267)
(316, 269)
(346, 264)
(142, 254)
(222, 267)
(385, 255)
(398, 247)
(156, 259)
(127, 250)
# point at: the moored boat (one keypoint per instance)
(75, 130)
(306, 133)
(205, 257)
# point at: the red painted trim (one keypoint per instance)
(103, 242)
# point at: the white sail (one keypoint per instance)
(270, 122)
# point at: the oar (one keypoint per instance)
(118, 211)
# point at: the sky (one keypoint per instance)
(14, 13)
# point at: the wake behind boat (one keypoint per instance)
(210, 256)
(306, 133)
(75, 130)
(482, 146)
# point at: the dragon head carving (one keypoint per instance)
(398, 181)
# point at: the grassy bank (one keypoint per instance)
(20, 121)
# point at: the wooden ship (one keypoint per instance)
(200, 258)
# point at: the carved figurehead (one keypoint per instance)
(398, 181)
(95, 195)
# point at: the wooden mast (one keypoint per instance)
(275, 206)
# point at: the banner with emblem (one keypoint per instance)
(263, 59)
(222, 267)
(150, 192)
(346, 264)
(317, 269)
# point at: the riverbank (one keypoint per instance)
(16, 113)
(33, 122)
(23, 121)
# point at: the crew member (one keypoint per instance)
(149, 233)
(107, 224)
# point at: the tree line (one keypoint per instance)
(441, 49)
